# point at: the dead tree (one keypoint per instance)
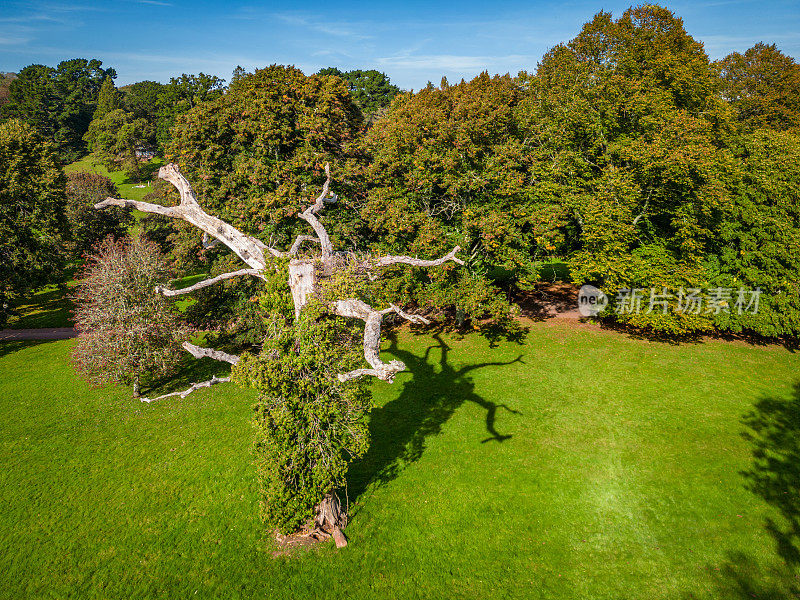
(302, 279)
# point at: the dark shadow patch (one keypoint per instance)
(740, 577)
(773, 431)
(400, 428)
(10, 346)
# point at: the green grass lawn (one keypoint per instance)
(48, 307)
(578, 464)
(127, 188)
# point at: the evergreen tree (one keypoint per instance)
(108, 99)
(32, 222)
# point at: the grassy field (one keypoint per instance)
(48, 307)
(127, 188)
(578, 464)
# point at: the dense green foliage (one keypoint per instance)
(178, 97)
(128, 333)
(656, 180)
(627, 153)
(117, 137)
(59, 102)
(309, 426)
(372, 90)
(32, 221)
(763, 87)
(108, 99)
(252, 154)
(141, 99)
(87, 225)
(605, 486)
(444, 169)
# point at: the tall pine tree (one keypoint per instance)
(109, 99)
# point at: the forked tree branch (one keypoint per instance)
(372, 337)
(194, 387)
(160, 289)
(247, 248)
(309, 215)
(385, 261)
(299, 242)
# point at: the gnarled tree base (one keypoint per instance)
(327, 523)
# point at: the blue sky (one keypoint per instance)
(413, 42)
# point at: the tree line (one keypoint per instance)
(626, 152)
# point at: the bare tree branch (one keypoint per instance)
(247, 248)
(372, 337)
(418, 262)
(160, 289)
(299, 242)
(167, 211)
(199, 352)
(171, 173)
(195, 386)
(309, 215)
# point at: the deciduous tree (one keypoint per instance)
(88, 227)
(127, 333)
(763, 86)
(312, 405)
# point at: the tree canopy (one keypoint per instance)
(32, 221)
(59, 102)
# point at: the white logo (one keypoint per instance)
(591, 301)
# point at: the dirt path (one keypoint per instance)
(551, 301)
(48, 333)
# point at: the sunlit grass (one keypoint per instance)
(579, 464)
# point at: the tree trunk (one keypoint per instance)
(136, 392)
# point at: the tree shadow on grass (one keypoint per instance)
(400, 428)
(741, 577)
(773, 431)
(191, 370)
(12, 346)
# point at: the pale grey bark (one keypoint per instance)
(372, 337)
(160, 289)
(200, 352)
(302, 272)
(194, 387)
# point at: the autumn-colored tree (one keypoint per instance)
(127, 333)
(254, 151)
(627, 131)
(446, 166)
(253, 155)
